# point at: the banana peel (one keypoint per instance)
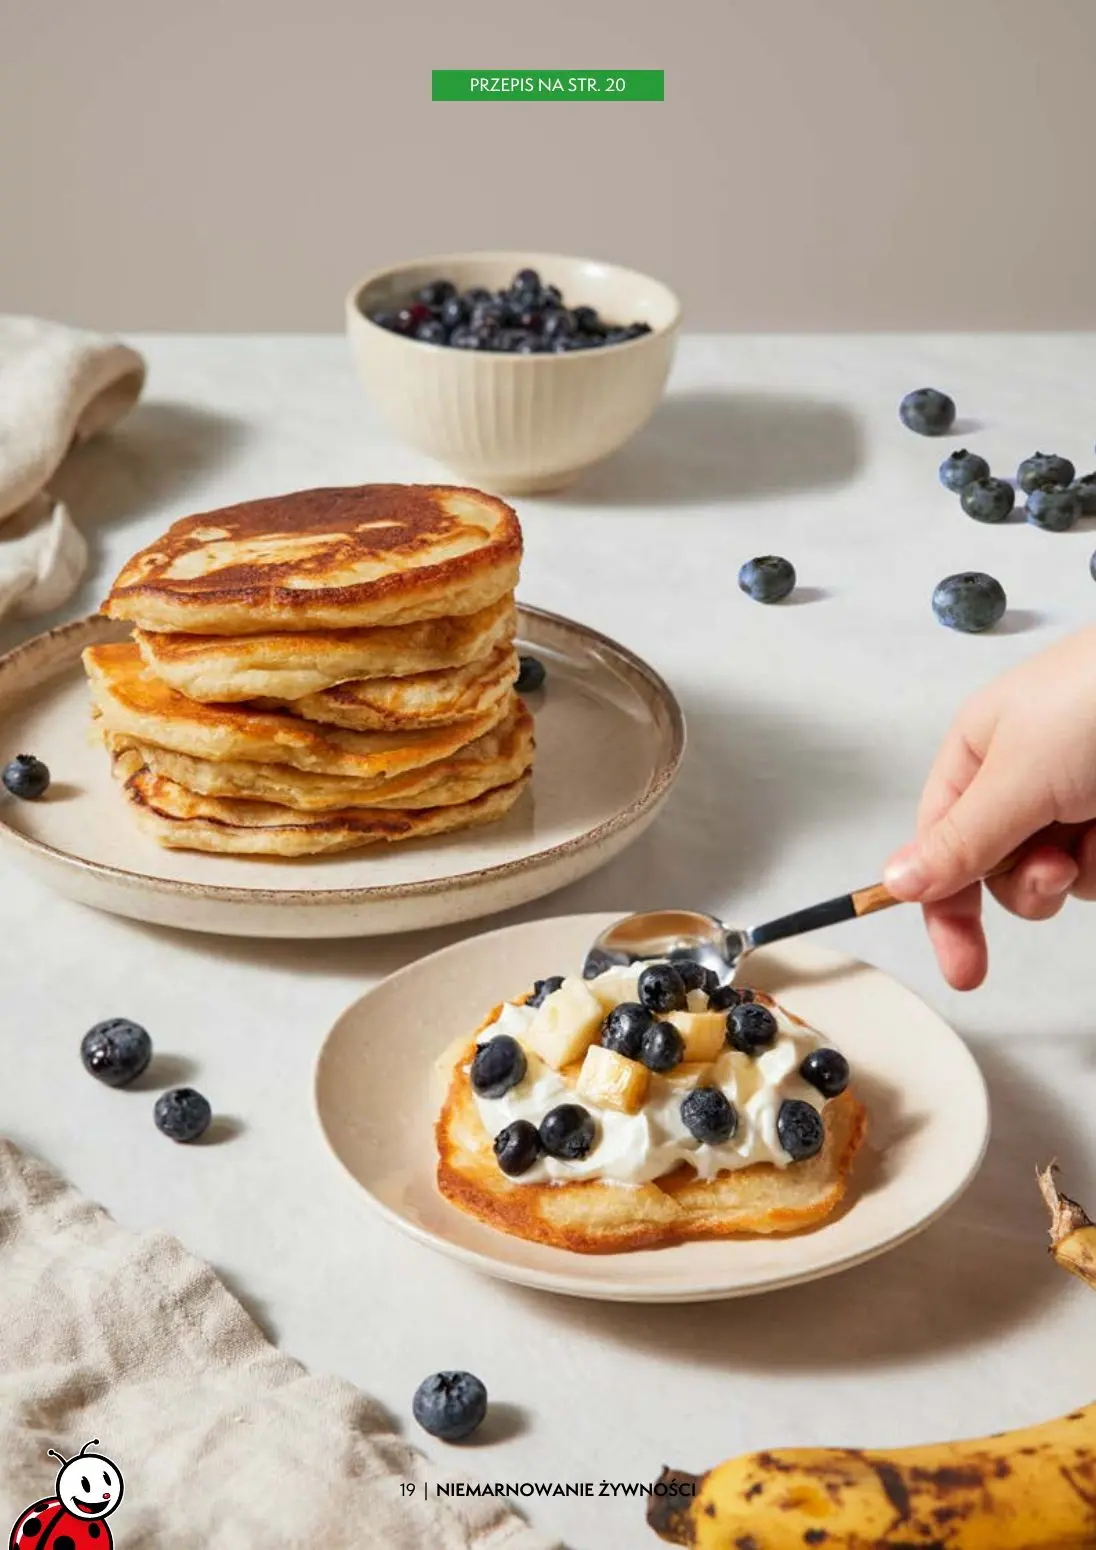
(1030, 1489)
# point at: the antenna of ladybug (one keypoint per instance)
(52, 1453)
(94, 1443)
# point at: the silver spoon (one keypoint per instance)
(692, 934)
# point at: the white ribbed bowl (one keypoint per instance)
(516, 423)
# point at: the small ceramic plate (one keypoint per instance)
(926, 1101)
(610, 737)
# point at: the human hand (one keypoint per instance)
(1019, 758)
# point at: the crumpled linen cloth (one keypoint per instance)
(58, 385)
(223, 1442)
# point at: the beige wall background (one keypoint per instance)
(818, 164)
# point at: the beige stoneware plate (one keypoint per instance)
(928, 1115)
(610, 737)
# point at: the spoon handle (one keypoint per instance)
(865, 901)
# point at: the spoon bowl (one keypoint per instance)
(670, 934)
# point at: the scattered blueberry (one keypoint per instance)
(182, 1114)
(800, 1129)
(568, 1132)
(662, 1047)
(767, 579)
(961, 469)
(662, 989)
(727, 996)
(26, 777)
(751, 1028)
(531, 675)
(624, 1028)
(970, 601)
(927, 411)
(708, 1115)
(694, 975)
(517, 1147)
(542, 989)
(525, 317)
(598, 961)
(1054, 507)
(450, 1405)
(987, 500)
(827, 1070)
(1086, 489)
(497, 1066)
(1092, 567)
(1042, 469)
(116, 1052)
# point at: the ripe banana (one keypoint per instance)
(1023, 1490)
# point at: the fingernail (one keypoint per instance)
(904, 875)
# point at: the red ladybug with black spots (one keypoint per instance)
(89, 1488)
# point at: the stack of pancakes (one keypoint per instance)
(319, 671)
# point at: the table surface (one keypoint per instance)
(811, 726)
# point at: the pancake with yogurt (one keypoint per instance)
(500, 757)
(324, 559)
(131, 702)
(289, 665)
(646, 1180)
(181, 820)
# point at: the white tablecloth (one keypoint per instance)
(811, 727)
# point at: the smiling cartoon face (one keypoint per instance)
(90, 1486)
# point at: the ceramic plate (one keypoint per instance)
(928, 1115)
(584, 806)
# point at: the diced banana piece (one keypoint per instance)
(566, 1024)
(612, 989)
(689, 1074)
(612, 1080)
(704, 1033)
(697, 1000)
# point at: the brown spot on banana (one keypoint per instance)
(672, 1517)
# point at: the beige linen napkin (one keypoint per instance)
(223, 1442)
(58, 385)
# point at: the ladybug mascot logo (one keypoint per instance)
(89, 1488)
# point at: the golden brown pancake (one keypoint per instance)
(423, 700)
(131, 701)
(496, 759)
(178, 819)
(372, 554)
(592, 1216)
(288, 665)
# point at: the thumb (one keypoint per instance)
(990, 819)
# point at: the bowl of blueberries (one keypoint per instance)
(516, 371)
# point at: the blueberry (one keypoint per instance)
(624, 1028)
(1086, 489)
(709, 1116)
(466, 339)
(437, 292)
(116, 1052)
(182, 1114)
(552, 296)
(474, 295)
(961, 469)
(598, 961)
(694, 975)
(970, 601)
(526, 280)
(450, 1405)
(767, 579)
(662, 1048)
(661, 989)
(498, 1065)
(531, 675)
(727, 996)
(542, 989)
(927, 411)
(827, 1070)
(26, 777)
(454, 312)
(568, 1132)
(987, 500)
(800, 1129)
(431, 332)
(529, 345)
(517, 1147)
(637, 330)
(586, 319)
(751, 1028)
(1054, 507)
(1043, 469)
(389, 320)
(558, 325)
